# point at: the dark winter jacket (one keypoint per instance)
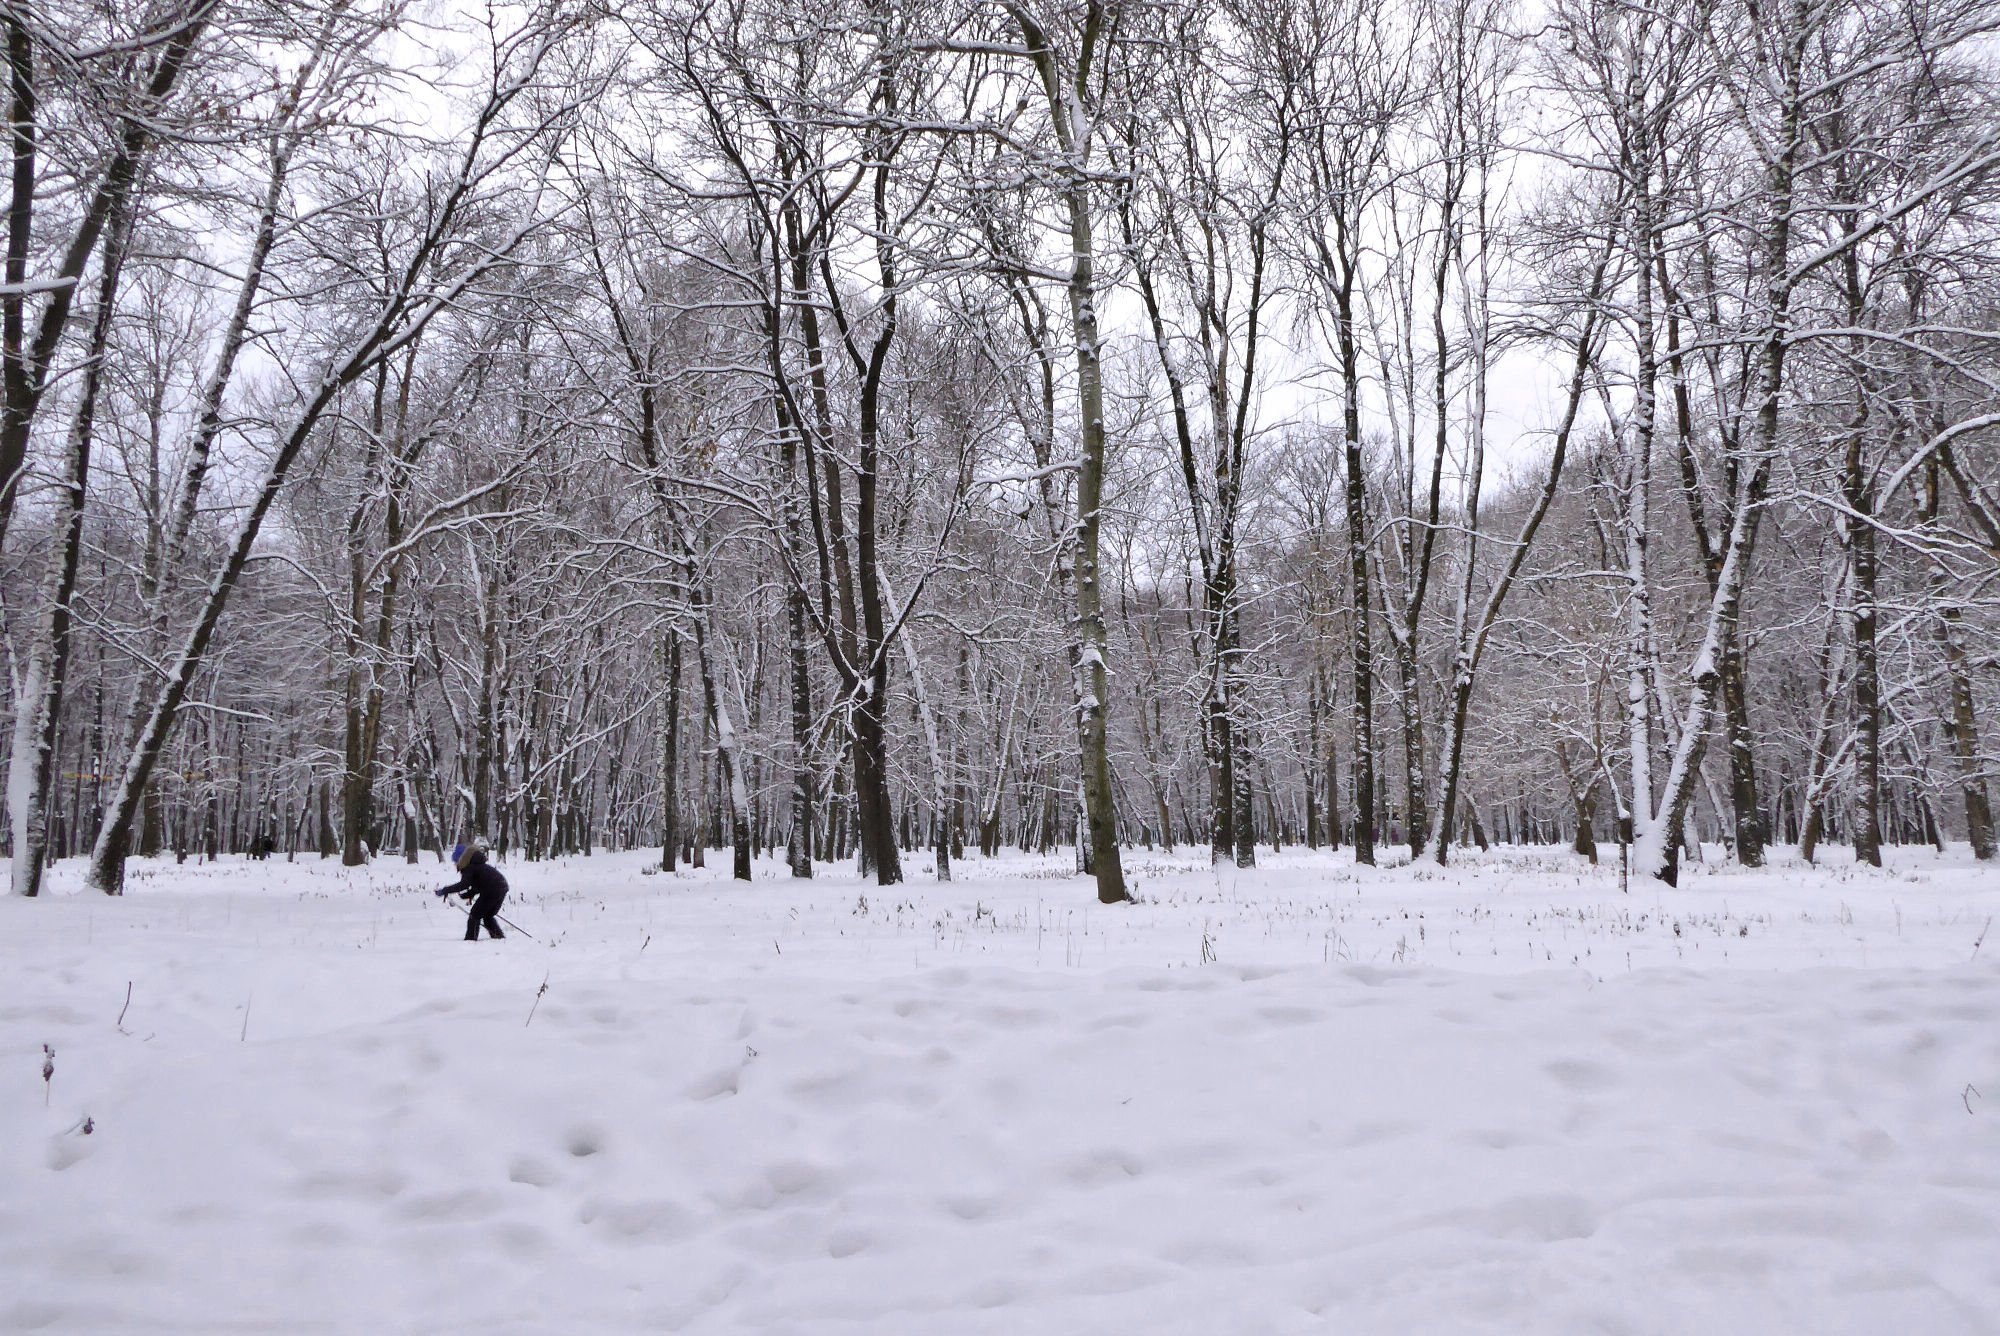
(479, 878)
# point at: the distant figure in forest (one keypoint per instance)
(480, 882)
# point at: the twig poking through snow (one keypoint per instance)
(245, 1032)
(1980, 940)
(1970, 1093)
(120, 1022)
(48, 1072)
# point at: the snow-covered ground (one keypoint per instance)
(1505, 1098)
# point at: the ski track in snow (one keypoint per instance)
(1504, 1098)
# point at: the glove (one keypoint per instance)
(443, 891)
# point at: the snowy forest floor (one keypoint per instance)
(1500, 1098)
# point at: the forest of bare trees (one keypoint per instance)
(899, 432)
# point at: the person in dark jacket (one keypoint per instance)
(480, 882)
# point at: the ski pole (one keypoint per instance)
(467, 911)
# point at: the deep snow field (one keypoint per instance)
(1505, 1098)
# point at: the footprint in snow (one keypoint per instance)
(531, 1171)
(792, 1178)
(449, 1207)
(1290, 1015)
(971, 1205)
(350, 1184)
(715, 1084)
(1101, 1167)
(1580, 1074)
(636, 1219)
(1542, 1218)
(846, 1242)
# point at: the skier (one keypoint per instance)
(477, 877)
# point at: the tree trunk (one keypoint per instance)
(1586, 816)
(1745, 810)
(1093, 684)
(805, 802)
(875, 807)
(38, 710)
(1867, 833)
(729, 760)
(1357, 572)
(1243, 795)
(1657, 850)
(1961, 721)
(941, 778)
(1409, 699)
(670, 745)
(1332, 766)
(1962, 732)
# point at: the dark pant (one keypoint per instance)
(483, 910)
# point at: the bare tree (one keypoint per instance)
(437, 269)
